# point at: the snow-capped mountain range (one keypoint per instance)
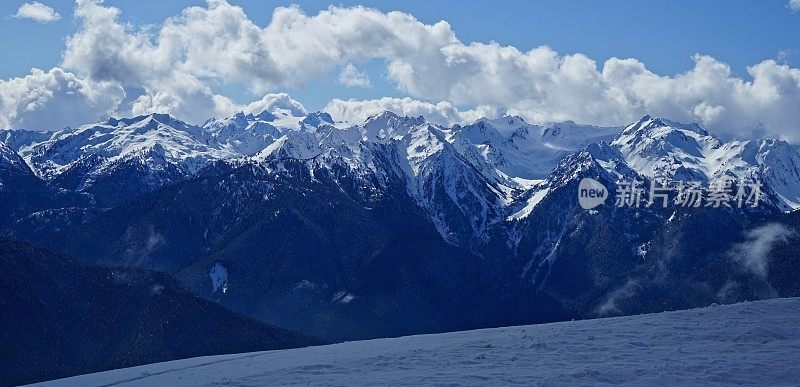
(505, 160)
(663, 149)
(343, 230)
(507, 150)
(497, 160)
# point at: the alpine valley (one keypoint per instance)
(397, 226)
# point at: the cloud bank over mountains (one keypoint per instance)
(110, 67)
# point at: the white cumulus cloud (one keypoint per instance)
(794, 5)
(183, 96)
(38, 12)
(51, 100)
(352, 77)
(277, 103)
(444, 113)
(177, 66)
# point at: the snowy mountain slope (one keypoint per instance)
(149, 151)
(462, 196)
(243, 133)
(660, 149)
(576, 256)
(753, 343)
(21, 192)
(27, 200)
(669, 256)
(663, 149)
(19, 140)
(526, 151)
(461, 192)
(153, 139)
(10, 161)
(248, 134)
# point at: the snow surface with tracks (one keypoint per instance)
(755, 343)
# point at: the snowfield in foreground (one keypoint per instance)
(756, 343)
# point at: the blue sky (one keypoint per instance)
(664, 36)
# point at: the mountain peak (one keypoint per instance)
(387, 115)
(505, 123)
(8, 158)
(389, 125)
(649, 123)
(318, 118)
(163, 118)
(265, 116)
